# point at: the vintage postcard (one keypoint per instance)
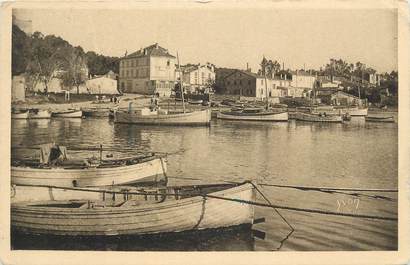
(205, 132)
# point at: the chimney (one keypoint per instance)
(156, 45)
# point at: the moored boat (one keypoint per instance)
(170, 209)
(19, 114)
(352, 111)
(195, 101)
(254, 114)
(70, 113)
(380, 119)
(147, 116)
(312, 117)
(96, 112)
(39, 114)
(148, 168)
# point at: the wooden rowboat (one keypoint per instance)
(380, 119)
(146, 117)
(254, 115)
(175, 209)
(107, 172)
(317, 117)
(23, 114)
(96, 112)
(68, 114)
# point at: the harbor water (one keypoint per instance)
(355, 154)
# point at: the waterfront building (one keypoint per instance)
(101, 85)
(18, 88)
(303, 79)
(148, 71)
(336, 98)
(220, 75)
(196, 77)
(248, 84)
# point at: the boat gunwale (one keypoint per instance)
(28, 207)
(89, 168)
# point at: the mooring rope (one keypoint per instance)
(326, 188)
(280, 215)
(306, 209)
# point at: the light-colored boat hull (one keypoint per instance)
(92, 176)
(23, 115)
(283, 116)
(73, 114)
(352, 111)
(194, 213)
(316, 118)
(195, 118)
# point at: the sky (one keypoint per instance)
(231, 37)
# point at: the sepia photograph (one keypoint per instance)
(170, 128)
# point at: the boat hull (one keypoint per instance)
(380, 119)
(353, 111)
(283, 116)
(69, 114)
(194, 213)
(23, 115)
(96, 113)
(145, 171)
(316, 118)
(195, 118)
(41, 114)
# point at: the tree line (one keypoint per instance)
(43, 57)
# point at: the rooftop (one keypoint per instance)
(152, 50)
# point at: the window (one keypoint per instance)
(249, 82)
(262, 81)
(234, 82)
(127, 73)
(240, 82)
(132, 72)
(132, 63)
(168, 63)
(228, 82)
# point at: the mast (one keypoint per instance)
(180, 84)
(266, 88)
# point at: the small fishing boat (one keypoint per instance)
(96, 112)
(39, 114)
(380, 119)
(19, 114)
(254, 114)
(72, 173)
(313, 117)
(168, 209)
(195, 101)
(147, 116)
(70, 113)
(352, 111)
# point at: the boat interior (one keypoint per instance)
(83, 163)
(131, 196)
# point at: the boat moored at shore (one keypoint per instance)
(311, 117)
(253, 114)
(147, 116)
(170, 209)
(106, 172)
(70, 113)
(20, 114)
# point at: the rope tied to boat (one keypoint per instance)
(280, 215)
